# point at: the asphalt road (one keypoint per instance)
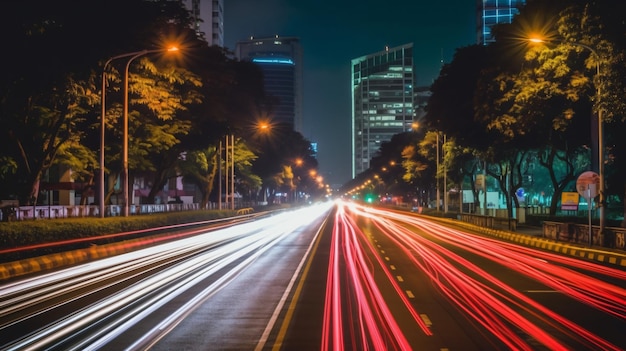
(347, 277)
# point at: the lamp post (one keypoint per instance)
(229, 172)
(133, 56)
(437, 172)
(103, 127)
(600, 134)
(445, 173)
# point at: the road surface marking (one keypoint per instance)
(393, 268)
(400, 279)
(410, 294)
(304, 266)
(426, 320)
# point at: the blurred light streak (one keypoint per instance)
(488, 304)
(95, 325)
(352, 292)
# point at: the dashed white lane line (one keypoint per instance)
(393, 268)
(400, 279)
(409, 293)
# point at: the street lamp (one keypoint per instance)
(103, 126)
(133, 56)
(600, 136)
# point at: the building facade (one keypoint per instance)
(280, 59)
(492, 12)
(382, 101)
(208, 19)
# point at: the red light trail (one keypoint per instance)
(505, 312)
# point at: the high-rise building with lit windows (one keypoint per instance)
(382, 101)
(280, 60)
(492, 12)
(208, 19)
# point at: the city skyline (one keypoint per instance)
(332, 35)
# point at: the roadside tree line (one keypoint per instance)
(180, 105)
(513, 108)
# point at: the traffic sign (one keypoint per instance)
(587, 184)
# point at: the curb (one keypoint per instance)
(63, 259)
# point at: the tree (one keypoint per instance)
(277, 154)
(202, 167)
(47, 109)
(555, 89)
(48, 125)
(600, 26)
(231, 93)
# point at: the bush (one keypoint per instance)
(24, 233)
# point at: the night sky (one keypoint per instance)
(332, 33)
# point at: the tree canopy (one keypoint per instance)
(523, 111)
(183, 103)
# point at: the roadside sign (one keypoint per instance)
(569, 201)
(587, 184)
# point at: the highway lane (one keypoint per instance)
(315, 279)
(473, 292)
(243, 314)
(132, 301)
(363, 293)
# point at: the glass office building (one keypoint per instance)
(492, 12)
(382, 101)
(280, 59)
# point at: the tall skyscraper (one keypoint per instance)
(492, 12)
(280, 59)
(382, 101)
(208, 16)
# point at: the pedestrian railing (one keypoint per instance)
(58, 211)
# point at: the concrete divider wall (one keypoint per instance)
(612, 237)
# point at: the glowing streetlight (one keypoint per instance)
(600, 136)
(133, 56)
(103, 128)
